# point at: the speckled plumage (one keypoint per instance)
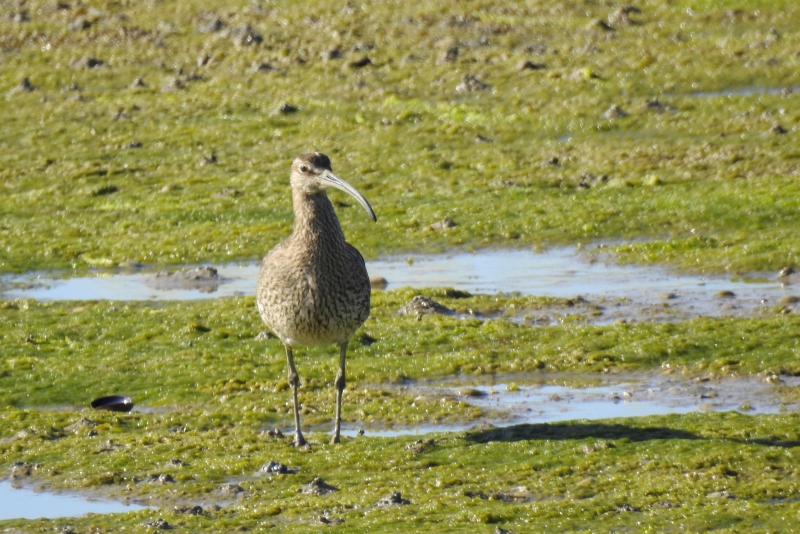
(313, 288)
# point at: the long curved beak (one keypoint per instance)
(334, 181)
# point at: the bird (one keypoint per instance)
(313, 287)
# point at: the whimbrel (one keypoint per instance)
(313, 288)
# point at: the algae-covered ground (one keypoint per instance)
(211, 392)
(161, 132)
(698, 160)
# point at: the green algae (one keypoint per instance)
(96, 173)
(170, 354)
(192, 167)
(720, 472)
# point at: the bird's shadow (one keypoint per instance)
(579, 431)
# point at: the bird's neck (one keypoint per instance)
(315, 218)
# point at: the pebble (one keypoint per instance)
(622, 15)
(360, 63)
(420, 305)
(230, 490)
(189, 510)
(395, 499)
(276, 468)
(317, 487)
(157, 524)
(161, 479)
(24, 86)
(87, 63)
(615, 112)
(524, 64)
(720, 495)
(245, 36)
(420, 445)
(444, 223)
(471, 83)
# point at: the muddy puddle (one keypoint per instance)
(26, 503)
(520, 399)
(612, 291)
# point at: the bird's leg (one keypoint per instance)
(294, 380)
(339, 383)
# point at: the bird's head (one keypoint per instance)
(311, 174)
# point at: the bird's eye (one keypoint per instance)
(303, 168)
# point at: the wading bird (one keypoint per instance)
(313, 288)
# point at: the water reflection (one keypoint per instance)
(24, 503)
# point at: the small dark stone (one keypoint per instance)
(276, 468)
(158, 524)
(420, 305)
(588, 181)
(366, 340)
(420, 445)
(361, 62)
(134, 144)
(444, 223)
(600, 24)
(721, 495)
(327, 519)
(177, 462)
(778, 129)
(230, 490)
(529, 65)
(395, 499)
(262, 66)
(80, 23)
(189, 510)
(334, 53)
(664, 504)
(318, 487)
(622, 15)
(105, 190)
(207, 160)
(87, 63)
(615, 112)
(245, 36)
(21, 16)
(275, 433)
(20, 470)
(481, 139)
(83, 422)
(451, 54)
(286, 108)
(211, 25)
(161, 479)
(25, 86)
(227, 192)
(137, 83)
(627, 508)
(471, 83)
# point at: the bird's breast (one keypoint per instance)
(314, 298)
